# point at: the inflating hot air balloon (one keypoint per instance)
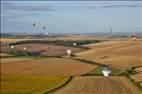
(12, 46)
(74, 44)
(46, 33)
(24, 48)
(69, 52)
(106, 71)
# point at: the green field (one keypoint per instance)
(30, 84)
(98, 71)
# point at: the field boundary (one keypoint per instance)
(55, 89)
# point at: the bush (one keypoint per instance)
(19, 53)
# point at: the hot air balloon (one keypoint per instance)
(106, 71)
(69, 52)
(44, 27)
(24, 48)
(46, 33)
(12, 46)
(34, 24)
(74, 44)
(134, 38)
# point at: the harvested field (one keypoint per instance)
(49, 66)
(138, 76)
(30, 84)
(14, 59)
(139, 69)
(5, 55)
(98, 85)
(9, 39)
(42, 49)
(117, 53)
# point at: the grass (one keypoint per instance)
(30, 84)
(128, 73)
(98, 71)
(55, 89)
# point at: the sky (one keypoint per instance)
(71, 16)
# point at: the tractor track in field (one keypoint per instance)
(97, 85)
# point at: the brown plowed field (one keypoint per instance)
(49, 66)
(98, 85)
(43, 49)
(120, 53)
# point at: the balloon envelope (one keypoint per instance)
(25, 48)
(34, 24)
(106, 72)
(44, 27)
(69, 52)
(46, 33)
(12, 46)
(74, 44)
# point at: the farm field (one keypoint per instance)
(138, 76)
(5, 55)
(30, 84)
(98, 85)
(11, 59)
(118, 53)
(22, 75)
(69, 47)
(42, 74)
(49, 66)
(42, 49)
(9, 40)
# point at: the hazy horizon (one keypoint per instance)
(71, 16)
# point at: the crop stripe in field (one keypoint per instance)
(116, 86)
(17, 66)
(55, 89)
(127, 89)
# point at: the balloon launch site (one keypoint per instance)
(54, 48)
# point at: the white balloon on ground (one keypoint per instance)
(106, 72)
(134, 38)
(12, 46)
(69, 52)
(24, 48)
(46, 33)
(74, 44)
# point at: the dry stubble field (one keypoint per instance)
(117, 53)
(98, 85)
(49, 66)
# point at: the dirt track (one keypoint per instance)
(98, 85)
